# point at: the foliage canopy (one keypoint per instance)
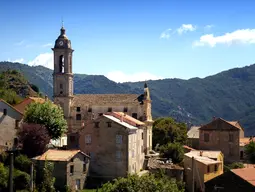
(250, 151)
(49, 115)
(145, 183)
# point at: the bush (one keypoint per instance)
(172, 150)
(21, 180)
(3, 177)
(23, 163)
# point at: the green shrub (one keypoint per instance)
(23, 163)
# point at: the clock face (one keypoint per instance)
(61, 43)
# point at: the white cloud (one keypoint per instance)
(207, 27)
(240, 36)
(44, 59)
(185, 28)
(119, 76)
(47, 45)
(165, 34)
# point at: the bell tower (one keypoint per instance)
(148, 119)
(62, 74)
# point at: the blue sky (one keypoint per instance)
(133, 40)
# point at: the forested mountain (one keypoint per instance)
(229, 94)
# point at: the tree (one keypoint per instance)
(167, 130)
(45, 178)
(34, 139)
(49, 115)
(250, 151)
(174, 151)
(145, 183)
(3, 177)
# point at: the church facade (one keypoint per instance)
(110, 127)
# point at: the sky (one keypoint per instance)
(132, 40)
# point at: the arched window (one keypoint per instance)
(61, 64)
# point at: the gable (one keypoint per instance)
(219, 124)
(11, 111)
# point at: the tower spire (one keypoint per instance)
(62, 22)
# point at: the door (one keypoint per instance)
(78, 184)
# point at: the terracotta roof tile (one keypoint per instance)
(22, 106)
(247, 174)
(58, 155)
(214, 124)
(244, 141)
(104, 99)
(126, 118)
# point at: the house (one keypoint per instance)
(70, 167)
(22, 105)
(205, 165)
(10, 118)
(222, 135)
(193, 137)
(236, 180)
(115, 142)
(242, 143)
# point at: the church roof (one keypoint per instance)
(104, 99)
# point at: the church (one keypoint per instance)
(115, 130)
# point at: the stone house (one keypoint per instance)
(10, 119)
(115, 142)
(235, 180)
(193, 137)
(222, 135)
(70, 167)
(206, 166)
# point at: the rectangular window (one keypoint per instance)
(71, 169)
(125, 110)
(231, 137)
(118, 155)
(84, 167)
(96, 124)
(141, 149)
(78, 109)
(90, 110)
(100, 114)
(61, 86)
(206, 137)
(16, 124)
(134, 115)
(78, 117)
(109, 124)
(118, 139)
(88, 139)
(5, 111)
(109, 109)
(72, 139)
(142, 135)
(208, 169)
(215, 167)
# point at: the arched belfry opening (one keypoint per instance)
(61, 64)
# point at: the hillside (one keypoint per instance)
(14, 87)
(229, 94)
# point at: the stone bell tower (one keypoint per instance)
(148, 119)
(63, 75)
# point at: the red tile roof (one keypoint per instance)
(246, 140)
(247, 174)
(22, 106)
(126, 118)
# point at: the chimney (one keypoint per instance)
(214, 118)
(201, 153)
